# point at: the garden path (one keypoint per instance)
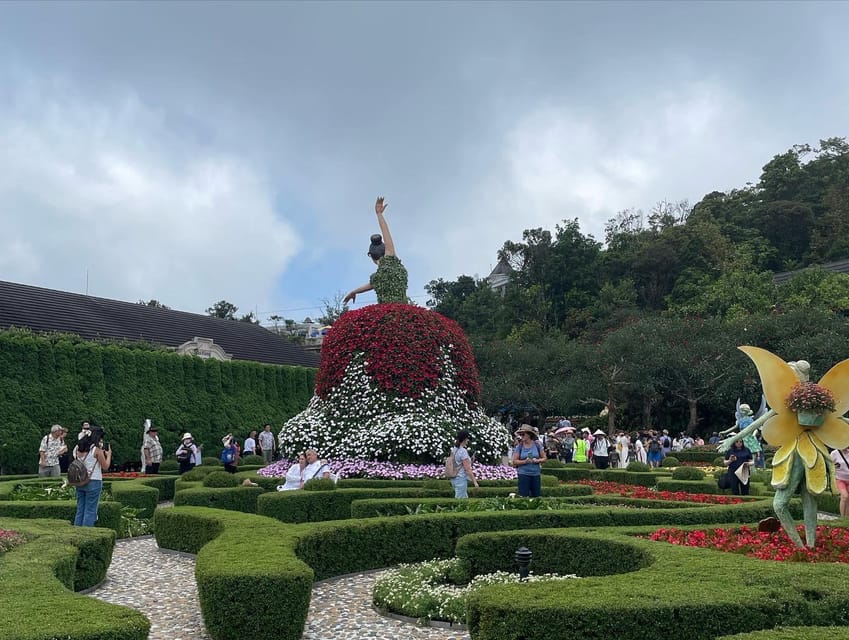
(162, 586)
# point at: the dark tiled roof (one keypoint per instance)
(47, 310)
(841, 266)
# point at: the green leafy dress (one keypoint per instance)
(390, 281)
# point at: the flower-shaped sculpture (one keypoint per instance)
(785, 394)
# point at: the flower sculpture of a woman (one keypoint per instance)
(396, 381)
(802, 461)
(390, 280)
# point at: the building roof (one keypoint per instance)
(840, 266)
(48, 310)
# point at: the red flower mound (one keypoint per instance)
(644, 493)
(832, 543)
(403, 347)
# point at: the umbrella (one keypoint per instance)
(563, 430)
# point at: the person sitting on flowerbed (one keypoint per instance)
(295, 475)
(315, 468)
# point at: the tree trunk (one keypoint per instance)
(647, 405)
(692, 401)
(611, 415)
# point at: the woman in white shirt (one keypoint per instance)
(295, 475)
(639, 449)
(91, 452)
(250, 445)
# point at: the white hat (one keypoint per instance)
(599, 432)
(186, 436)
(586, 429)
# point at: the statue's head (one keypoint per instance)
(745, 409)
(376, 249)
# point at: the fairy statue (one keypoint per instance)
(805, 419)
(389, 282)
(743, 417)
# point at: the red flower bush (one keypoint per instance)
(644, 493)
(832, 543)
(402, 345)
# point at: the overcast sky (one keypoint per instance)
(191, 152)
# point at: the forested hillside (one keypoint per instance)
(646, 320)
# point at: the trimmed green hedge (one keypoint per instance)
(624, 476)
(705, 486)
(793, 633)
(376, 508)
(108, 513)
(310, 506)
(60, 378)
(706, 456)
(134, 494)
(221, 479)
(275, 586)
(682, 593)
(38, 578)
(281, 587)
(242, 499)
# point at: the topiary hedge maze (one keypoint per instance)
(646, 589)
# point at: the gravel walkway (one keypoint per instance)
(162, 586)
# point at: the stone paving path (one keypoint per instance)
(162, 586)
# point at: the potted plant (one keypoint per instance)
(810, 401)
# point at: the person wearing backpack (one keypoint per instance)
(459, 466)
(187, 453)
(85, 473)
(527, 457)
(655, 451)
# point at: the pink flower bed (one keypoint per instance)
(353, 468)
(10, 539)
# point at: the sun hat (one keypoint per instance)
(586, 429)
(599, 432)
(186, 436)
(152, 428)
(526, 428)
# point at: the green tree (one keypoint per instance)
(223, 309)
(154, 303)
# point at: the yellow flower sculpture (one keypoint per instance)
(783, 430)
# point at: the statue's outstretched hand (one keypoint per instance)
(725, 445)
(351, 297)
(380, 206)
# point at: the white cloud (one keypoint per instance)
(560, 162)
(107, 186)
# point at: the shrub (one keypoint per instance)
(209, 461)
(169, 466)
(135, 495)
(690, 486)
(78, 557)
(638, 467)
(793, 633)
(670, 461)
(253, 460)
(551, 463)
(242, 499)
(199, 473)
(319, 484)
(221, 479)
(108, 513)
(688, 473)
(718, 461)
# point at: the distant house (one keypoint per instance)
(841, 266)
(500, 277)
(48, 310)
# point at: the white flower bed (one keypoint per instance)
(422, 591)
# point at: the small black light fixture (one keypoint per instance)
(523, 559)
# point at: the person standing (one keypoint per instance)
(96, 457)
(582, 448)
(623, 448)
(187, 453)
(527, 457)
(250, 444)
(152, 450)
(463, 465)
(639, 448)
(567, 445)
(738, 459)
(230, 454)
(840, 457)
(601, 450)
(52, 446)
(266, 443)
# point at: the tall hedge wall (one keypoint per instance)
(63, 379)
